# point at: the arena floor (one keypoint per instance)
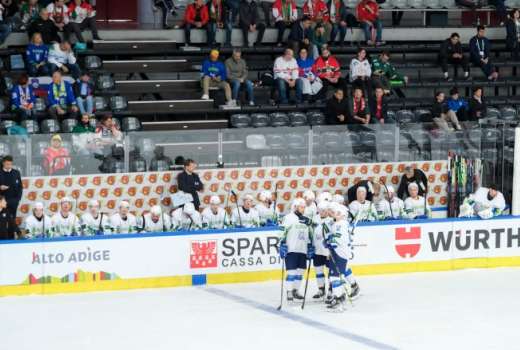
(470, 309)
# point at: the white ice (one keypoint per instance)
(470, 309)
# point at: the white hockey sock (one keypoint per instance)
(337, 286)
(349, 276)
(320, 275)
(299, 279)
(289, 279)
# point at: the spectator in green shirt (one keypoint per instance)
(385, 75)
(83, 138)
(318, 40)
(83, 125)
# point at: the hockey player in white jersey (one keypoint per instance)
(322, 224)
(64, 222)
(123, 221)
(391, 207)
(362, 208)
(338, 198)
(296, 247)
(339, 243)
(310, 204)
(485, 202)
(214, 217)
(37, 224)
(267, 213)
(245, 215)
(94, 222)
(324, 196)
(156, 221)
(186, 218)
(415, 206)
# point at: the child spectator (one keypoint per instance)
(60, 98)
(29, 12)
(37, 55)
(45, 27)
(82, 16)
(84, 91)
(360, 70)
(56, 158)
(22, 99)
(61, 57)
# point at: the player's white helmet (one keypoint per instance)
(156, 210)
(309, 195)
(338, 198)
(297, 203)
(324, 197)
(265, 195)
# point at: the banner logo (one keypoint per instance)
(408, 241)
(203, 254)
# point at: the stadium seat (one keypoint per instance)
(49, 126)
(400, 4)
(350, 139)
(492, 113)
(68, 124)
(296, 141)
(39, 105)
(259, 120)
(161, 165)
(147, 146)
(36, 170)
(435, 4)
(31, 126)
(416, 4)
(4, 149)
(315, 118)
(39, 147)
(100, 103)
(385, 138)
(276, 141)
(256, 142)
(93, 62)
(138, 166)
(330, 140)
(8, 84)
(279, 119)
(508, 113)
(422, 115)
(405, 116)
(385, 156)
(367, 139)
(240, 120)
(105, 82)
(443, 3)
(297, 119)
(391, 115)
(131, 124)
(118, 103)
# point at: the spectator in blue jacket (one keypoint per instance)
(36, 55)
(60, 98)
(84, 92)
(457, 105)
(479, 49)
(22, 99)
(214, 74)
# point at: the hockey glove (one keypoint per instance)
(99, 233)
(283, 250)
(311, 251)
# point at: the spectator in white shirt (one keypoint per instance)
(286, 75)
(61, 57)
(360, 70)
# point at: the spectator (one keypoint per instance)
(368, 15)
(218, 19)
(160, 162)
(318, 12)
(327, 68)
(45, 27)
(318, 40)
(37, 55)
(360, 70)
(22, 99)
(59, 15)
(385, 75)
(457, 107)
(513, 33)
(441, 114)
(378, 106)
(84, 92)
(477, 105)
(107, 134)
(412, 175)
(267, 11)
(451, 53)
(11, 187)
(236, 69)
(8, 227)
(250, 22)
(300, 35)
(285, 15)
(338, 20)
(61, 57)
(5, 25)
(286, 75)
(84, 125)
(188, 181)
(60, 98)
(501, 10)
(29, 11)
(196, 16)
(84, 137)
(311, 84)
(82, 16)
(214, 75)
(336, 111)
(167, 7)
(359, 111)
(56, 158)
(479, 48)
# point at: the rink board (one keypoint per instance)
(81, 264)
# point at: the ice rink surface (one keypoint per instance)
(469, 309)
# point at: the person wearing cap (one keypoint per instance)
(415, 206)
(36, 224)
(237, 74)
(214, 217)
(310, 204)
(486, 202)
(186, 218)
(123, 221)
(8, 227)
(56, 158)
(155, 221)
(296, 247)
(61, 100)
(214, 75)
(390, 207)
(362, 209)
(84, 91)
(196, 16)
(322, 224)
(11, 186)
(94, 222)
(188, 181)
(245, 215)
(267, 212)
(412, 175)
(65, 222)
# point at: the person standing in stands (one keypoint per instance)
(327, 68)
(285, 16)
(479, 49)
(451, 53)
(197, 17)
(45, 27)
(11, 187)
(338, 21)
(368, 16)
(412, 175)
(477, 105)
(250, 22)
(214, 74)
(8, 227)
(513, 34)
(336, 111)
(188, 181)
(23, 99)
(37, 54)
(237, 74)
(218, 19)
(60, 98)
(167, 7)
(286, 75)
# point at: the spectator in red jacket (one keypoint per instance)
(196, 16)
(285, 14)
(328, 69)
(82, 16)
(368, 15)
(318, 12)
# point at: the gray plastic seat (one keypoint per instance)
(391, 115)
(385, 138)
(162, 166)
(331, 140)
(296, 141)
(259, 120)
(405, 116)
(105, 82)
(4, 149)
(435, 4)
(315, 118)
(31, 126)
(100, 103)
(118, 103)
(36, 170)
(39, 105)
(146, 146)
(256, 141)
(49, 126)
(508, 113)
(93, 62)
(6, 124)
(385, 156)
(240, 120)
(275, 141)
(400, 4)
(8, 83)
(492, 113)
(131, 124)
(367, 138)
(138, 166)
(297, 119)
(422, 114)
(279, 119)
(68, 124)
(416, 4)
(444, 3)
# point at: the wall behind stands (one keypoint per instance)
(143, 190)
(80, 264)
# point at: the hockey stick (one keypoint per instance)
(238, 208)
(226, 205)
(275, 202)
(388, 193)
(306, 283)
(281, 287)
